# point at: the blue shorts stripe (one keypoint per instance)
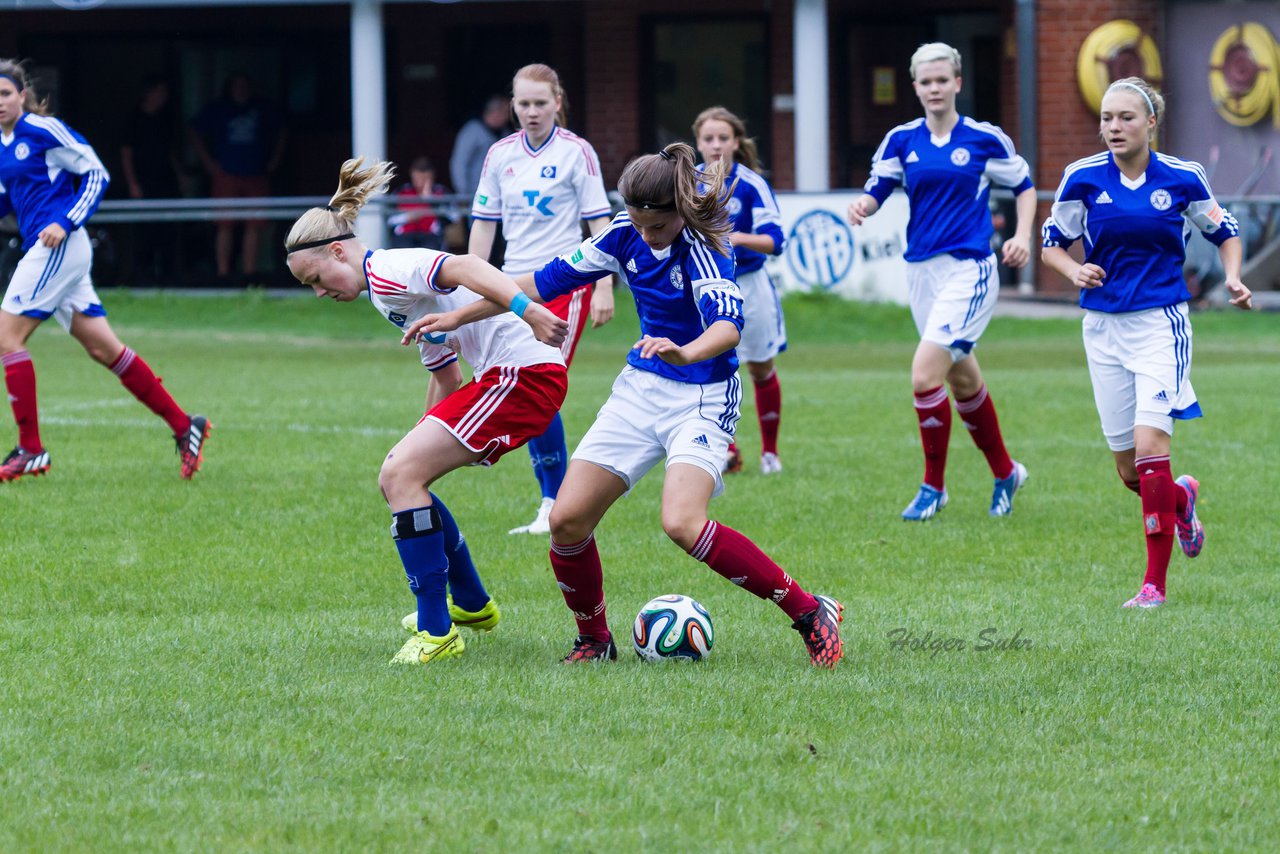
(51, 267)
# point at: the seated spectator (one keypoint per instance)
(417, 224)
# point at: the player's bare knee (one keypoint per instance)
(682, 530)
(566, 527)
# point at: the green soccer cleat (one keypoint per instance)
(484, 620)
(423, 648)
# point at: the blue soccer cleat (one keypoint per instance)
(927, 502)
(1006, 488)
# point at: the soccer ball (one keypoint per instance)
(672, 626)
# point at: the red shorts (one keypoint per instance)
(574, 308)
(227, 186)
(503, 408)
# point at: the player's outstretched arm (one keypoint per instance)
(500, 292)
(715, 339)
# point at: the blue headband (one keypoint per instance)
(13, 81)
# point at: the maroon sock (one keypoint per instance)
(581, 580)
(1159, 503)
(741, 561)
(20, 380)
(978, 414)
(934, 412)
(136, 376)
(769, 411)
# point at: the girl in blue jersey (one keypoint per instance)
(946, 163)
(757, 233)
(1135, 209)
(542, 183)
(52, 179)
(677, 398)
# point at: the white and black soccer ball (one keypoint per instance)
(672, 626)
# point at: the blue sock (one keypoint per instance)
(550, 457)
(464, 582)
(419, 537)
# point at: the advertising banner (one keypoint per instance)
(823, 252)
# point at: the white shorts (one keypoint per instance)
(764, 331)
(952, 300)
(1140, 364)
(55, 282)
(648, 417)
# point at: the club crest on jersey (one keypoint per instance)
(397, 319)
(677, 278)
(735, 206)
(1160, 200)
(548, 171)
(21, 151)
(960, 156)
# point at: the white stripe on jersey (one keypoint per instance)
(988, 128)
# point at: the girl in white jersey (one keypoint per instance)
(677, 400)
(946, 163)
(541, 183)
(757, 233)
(52, 180)
(1134, 209)
(518, 385)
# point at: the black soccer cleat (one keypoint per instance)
(191, 445)
(591, 650)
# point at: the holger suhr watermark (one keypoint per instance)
(990, 639)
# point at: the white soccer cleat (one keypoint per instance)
(770, 464)
(541, 523)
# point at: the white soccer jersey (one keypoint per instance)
(540, 196)
(401, 284)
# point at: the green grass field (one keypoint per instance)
(202, 666)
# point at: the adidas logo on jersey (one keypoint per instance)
(631, 265)
(946, 327)
(1104, 198)
(509, 173)
(913, 158)
(1160, 396)
(702, 441)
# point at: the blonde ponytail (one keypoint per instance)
(357, 183)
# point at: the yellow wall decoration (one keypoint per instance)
(1114, 50)
(1244, 75)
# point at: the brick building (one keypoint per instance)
(819, 81)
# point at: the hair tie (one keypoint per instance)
(331, 208)
(665, 155)
(1151, 108)
(312, 244)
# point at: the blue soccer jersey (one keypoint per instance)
(948, 181)
(679, 292)
(1136, 231)
(752, 210)
(39, 164)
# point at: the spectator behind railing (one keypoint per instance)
(240, 139)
